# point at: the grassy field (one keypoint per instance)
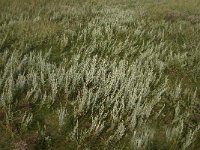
(99, 74)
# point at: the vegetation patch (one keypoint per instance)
(99, 74)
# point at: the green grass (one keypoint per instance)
(119, 74)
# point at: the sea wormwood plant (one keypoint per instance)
(110, 75)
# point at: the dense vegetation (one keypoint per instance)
(98, 74)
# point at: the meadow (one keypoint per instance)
(98, 74)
